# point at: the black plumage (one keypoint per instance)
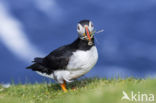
(84, 22)
(59, 58)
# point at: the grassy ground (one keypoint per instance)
(87, 91)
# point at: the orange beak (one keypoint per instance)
(87, 31)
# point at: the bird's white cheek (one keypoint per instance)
(81, 31)
(91, 29)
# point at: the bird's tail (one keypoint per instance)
(37, 63)
(38, 67)
(33, 66)
(38, 60)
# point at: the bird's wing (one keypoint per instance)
(58, 59)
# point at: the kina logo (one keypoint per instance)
(138, 97)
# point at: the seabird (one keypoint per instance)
(70, 61)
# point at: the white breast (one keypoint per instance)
(81, 62)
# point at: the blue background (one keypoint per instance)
(126, 48)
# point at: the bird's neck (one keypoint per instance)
(82, 44)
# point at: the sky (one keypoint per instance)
(34, 28)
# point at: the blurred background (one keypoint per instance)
(30, 28)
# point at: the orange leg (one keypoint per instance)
(63, 86)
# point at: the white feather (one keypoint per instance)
(46, 75)
(82, 61)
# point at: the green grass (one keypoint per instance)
(92, 90)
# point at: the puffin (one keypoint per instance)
(71, 61)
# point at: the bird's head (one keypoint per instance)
(85, 29)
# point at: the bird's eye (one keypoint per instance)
(91, 25)
(78, 27)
